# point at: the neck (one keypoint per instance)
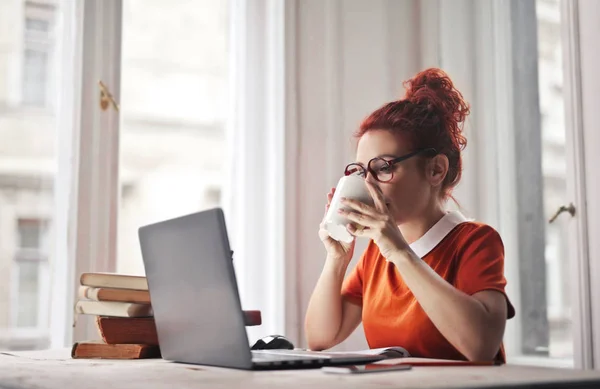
(415, 228)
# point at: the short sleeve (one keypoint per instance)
(481, 263)
(352, 287)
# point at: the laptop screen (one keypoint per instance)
(193, 290)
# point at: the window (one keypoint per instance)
(27, 170)
(28, 292)
(35, 73)
(31, 267)
(550, 70)
(173, 111)
(37, 53)
(30, 282)
(36, 25)
(537, 257)
(31, 232)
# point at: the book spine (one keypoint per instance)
(87, 293)
(117, 309)
(91, 350)
(127, 330)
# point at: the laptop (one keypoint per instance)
(197, 309)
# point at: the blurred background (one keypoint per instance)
(175, 98)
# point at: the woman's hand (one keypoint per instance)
(335, 250)
(377, 222)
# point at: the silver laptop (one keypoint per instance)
(194, 293)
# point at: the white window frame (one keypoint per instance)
(494, 140)
(87, 189)
(583, 118)
(578, 231)
(87, 183)
(579, 259)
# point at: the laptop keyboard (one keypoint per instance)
(273, 356)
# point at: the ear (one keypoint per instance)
(437, 169)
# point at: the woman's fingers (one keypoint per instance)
(377, 195)
(329, 198)
(330, 195)
(361, 207)
(362, 219)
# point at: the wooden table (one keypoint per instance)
(54, 369)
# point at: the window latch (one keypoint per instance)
(564, 208)
(106, 98)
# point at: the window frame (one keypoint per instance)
(492, 189)
(87, 182)
(580, 58)
(507, 179)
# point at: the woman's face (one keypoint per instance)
(409, 192)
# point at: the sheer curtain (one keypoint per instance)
(254, 199)
(303, 76)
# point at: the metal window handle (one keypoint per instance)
(106, 97)
(565, 208)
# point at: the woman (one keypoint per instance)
(429, 281)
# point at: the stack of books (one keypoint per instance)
(124, 317)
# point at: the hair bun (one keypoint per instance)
(434, 91)
(432, 78)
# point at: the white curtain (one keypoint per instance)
(253, 198)
(303, 76)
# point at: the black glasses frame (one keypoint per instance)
(389, 163)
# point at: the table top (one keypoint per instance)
(54, 369)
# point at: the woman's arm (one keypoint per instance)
(329, 318)
(473, 324)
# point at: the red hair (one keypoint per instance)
(431, 115)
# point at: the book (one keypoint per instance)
(112, 294)
(100, 350)
(111, 308)
(405, 359)
(113, 280)
(252, 318)
(440, 362)
(116, 330)
(127, 330)
(388, 352)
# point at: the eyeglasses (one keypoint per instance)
(381, 169)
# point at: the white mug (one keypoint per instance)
(350, 187)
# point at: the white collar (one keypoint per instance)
(435, 234)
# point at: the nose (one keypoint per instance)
(371, 178)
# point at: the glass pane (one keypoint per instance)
(28, 294)
(554, 170)
(28, 70)
(30, 234)
(35, 69)
(173, 107)
(36, 25)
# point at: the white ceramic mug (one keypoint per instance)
(350, 187)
